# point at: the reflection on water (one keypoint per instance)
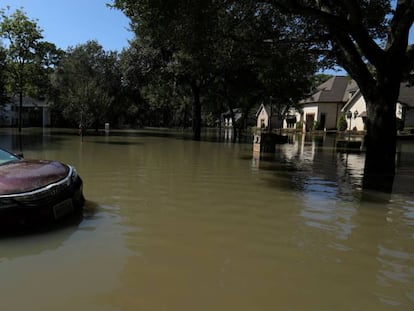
(173, 224)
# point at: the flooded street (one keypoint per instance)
(174, 224)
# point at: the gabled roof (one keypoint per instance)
(354, 98)
(265, 107)
(406, 98)
(331, 91)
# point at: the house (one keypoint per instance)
(355, 112)
(266, 118)
(358, 111)
(322, 109)
(35, 112)
(226, 119)
(405, 105)
(338, 96)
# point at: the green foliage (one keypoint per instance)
(22, 36)
(3, 94)
(317, 126)
(342, 123)
(86, 83)
(222, 55)
(28, 61)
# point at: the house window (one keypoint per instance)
(322, 121)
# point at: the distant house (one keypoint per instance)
(356, 109)
(322, 109)
(404, 109)
(341, 95)
(35, 113)
(226, 119)
(266, 118)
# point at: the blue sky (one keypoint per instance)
(72, 22)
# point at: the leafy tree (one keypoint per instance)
(236, 49)
(86, 84)
(3, 95)
(22, 36)
(369, 40)
(152, 88)
(47, 58)
(342, 124)
(184, 36)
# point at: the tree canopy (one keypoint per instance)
(237, 49)
(28, 61)
(86, 83)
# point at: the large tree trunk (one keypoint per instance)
(381, 137)
(196, 111)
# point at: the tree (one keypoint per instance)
(86, 83)
(3, 95)
(47, 59)
(370, 41)
(153, 92)
(23, 36)
(185, 36)
(255, 62)
(236, 48)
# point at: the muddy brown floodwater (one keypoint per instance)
(174, 224)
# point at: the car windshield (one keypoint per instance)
(6, 157)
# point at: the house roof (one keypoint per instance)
(406, 97)
(265, 107)
(333, 90)
(351, 101)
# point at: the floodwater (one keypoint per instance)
(174, 224)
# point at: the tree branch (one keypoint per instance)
(337, 25)
(400, 27)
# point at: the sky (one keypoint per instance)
(72, 22)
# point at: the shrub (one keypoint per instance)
(342, 124)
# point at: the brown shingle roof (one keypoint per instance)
(333, 90)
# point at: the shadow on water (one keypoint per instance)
(70, 224)
(27, 241)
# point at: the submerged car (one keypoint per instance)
(36, 191)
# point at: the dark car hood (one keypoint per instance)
(28, 175)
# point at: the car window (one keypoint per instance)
(6, 157)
